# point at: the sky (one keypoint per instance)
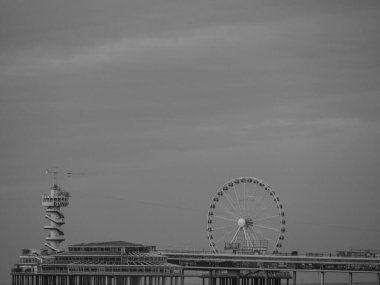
(156, 104)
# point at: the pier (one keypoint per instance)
(269, 269)
(122, 263)
(249, 256)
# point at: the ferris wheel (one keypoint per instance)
(246, 216)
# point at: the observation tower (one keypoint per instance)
(53, 203)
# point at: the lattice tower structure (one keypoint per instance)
(53, 203)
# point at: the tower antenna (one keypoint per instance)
(55, 176)
(55, 173)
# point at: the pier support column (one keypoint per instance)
(135, 280)
(210, 277)
(378, 278)
(294, 277)
(350, 278)
(322, 278)
(236, 280)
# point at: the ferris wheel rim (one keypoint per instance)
(241, 220)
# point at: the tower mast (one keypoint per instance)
(53, 203)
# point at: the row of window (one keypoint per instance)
(102, 249)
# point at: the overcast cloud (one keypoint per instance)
(161, 102)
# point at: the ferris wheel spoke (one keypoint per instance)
(256, 200)
(244, 201)
(224, 227)
(254, 210)
(230, 201)
(267, 238)
(266, 218)
(252, 197)
(225, 234)
(236, 233)
(224, 218)
(260, 233)
(254, 237)
(261, 210)
(255, 207)
(224, 207)
(237, 200)
(247, 237)
(272, 241)
(268, 228)
(259, 201)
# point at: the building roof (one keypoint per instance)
(109, 243)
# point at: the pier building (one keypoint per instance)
(102, 263)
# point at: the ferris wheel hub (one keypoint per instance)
(241, 222)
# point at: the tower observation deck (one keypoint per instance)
(53, 203)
